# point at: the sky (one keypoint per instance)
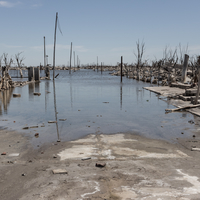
(108, 29)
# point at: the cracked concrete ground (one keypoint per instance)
(136, 168)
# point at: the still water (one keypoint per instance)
(90, 102)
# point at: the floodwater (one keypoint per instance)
(91, 103)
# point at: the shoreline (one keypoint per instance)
(135, 167)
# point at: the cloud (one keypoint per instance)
(12, 46)
(36, 5)
(7, 4)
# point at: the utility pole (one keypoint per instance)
(54, 50)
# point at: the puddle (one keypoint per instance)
(80, 98)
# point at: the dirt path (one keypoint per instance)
(136, 168)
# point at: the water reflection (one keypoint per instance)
(46, 93)
(31, 89)
(5, 98)
(71, 97)
(37, 87)
(55, 109)
(121, 96)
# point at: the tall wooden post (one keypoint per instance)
(101, 67)
(44, 55)
(70, 59)
(77, 61)
(185, 66)
(121, 67)
(54, 50)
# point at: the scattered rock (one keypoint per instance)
(36, 135)
(3, 154)
(23, 174)
(100, 165)
(194, 136)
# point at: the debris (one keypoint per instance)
(194, 136)
(16, 95)
(52, 121)
(3, 154)
(105, 102)
(100, 165)
(56, 75)
(79, 110)
(195, 149)
(13, 155)
(26, 127)
(191, 121)
(34, 126)
(37, 93)
(182, 108)
(59, 171)
(88, 158)
(23, 174)
(58, 140)
(62, 119)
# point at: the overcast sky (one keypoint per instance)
(108, 29)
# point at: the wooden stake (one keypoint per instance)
(54, 49)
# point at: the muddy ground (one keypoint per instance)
(136, 168)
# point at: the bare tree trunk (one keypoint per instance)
(198, 90)
(185, 66)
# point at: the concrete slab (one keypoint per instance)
(166, 90)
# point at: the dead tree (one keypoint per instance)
(6, 81)
(19, 63)
(139, 57)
